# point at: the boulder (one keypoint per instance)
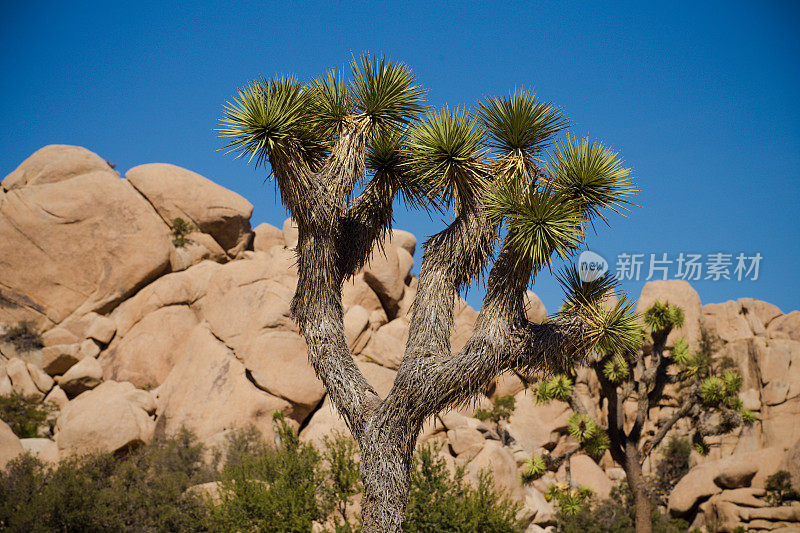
(405, 262)
(387, 345)
(108, 418)
(534, 308)
(147, 352)
(356, 322)
(403, 239)
(59, 335)
(57, 397)
(585, 471)
(102, 330)
(197, 247)
(53, 163)
(42, 381)
(89, 348)
(21, 380)
(85, 375)
(785, 327)
(382, 274)
(266, 236)
(736, 476)
(59, 358)
(209, 379)
(680, 293)
(497, 460)
(465, 442)
(791, 463)
(179, 193)
(355, 291)
(532, 424)
(85, 235)
(10, 445)
(44, 449)
(726, 321)
(291, 233)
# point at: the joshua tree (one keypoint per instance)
(708, 394)
(340, 151)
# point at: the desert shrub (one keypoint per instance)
(343, 475)
(502, 409)
(180, 229)
(779, 489)
(674, 464)
(443, 502)
(25, 417)
(614, 515)
(23, 336)
(143, 491)
(271, 489)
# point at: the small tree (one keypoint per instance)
(630, 370)
(330, 138)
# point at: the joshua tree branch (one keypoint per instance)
(683, 411)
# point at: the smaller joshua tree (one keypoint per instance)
(632, 370)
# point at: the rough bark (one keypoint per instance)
(641, 498)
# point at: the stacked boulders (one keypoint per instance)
(150, 325)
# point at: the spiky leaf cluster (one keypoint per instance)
(615, 330)
(712, 391)
(533, 469)
(617, 369)
(579, 294)
(386, 158)
(680, 352)
(559, 387)
(732, 381)
(581, 427)
(597, 445)
(444, 151)
(590, 175)
(700, 445)
(569, 500)
(662, 316)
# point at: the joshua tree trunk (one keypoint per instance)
(638, 486)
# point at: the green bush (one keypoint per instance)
(443, 502)
(674, 464)
(24, 337)
(180, 229)
(143, 491)
(779, 489)
(502, 409)
(25, 417)
(615, 514)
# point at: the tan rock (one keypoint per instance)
(403, 239)
(179, 193)
(103, 419)
(405, 262)
(531, 424)
(291, 233)
(89, 348)
(6, 389)
(10, 445)
(355, 291)
(534, 308)
(545, 512)
(57, 397)
(585, 471)
(465, 442)
(102, 330)
(21, 380)
(210, 490)
(45, 449)
(497, 459)
(150, 349)
(785, 327)
(726, 321)
(59, 335)
(197, 247)
(208, 379)
(42, 381)
(791, 463)
(680, 293)
(356, 321)
(85, 375)
(744, 497)
(382, 274)
(777, 431)
(55, 162)
(266, 236)
(76, 231)
(387, 345)
(736, 476)
(60, 358)
(179, 288)
(278, 364)
(780, 371)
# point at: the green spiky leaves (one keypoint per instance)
(385, 92)
(559, 387)
(662, 316)
(712, 391)
(732, 381)
(617, 369)
(591, 175)
(579, 294)
(533, 469)
(615, 330)
(581, 427)
(569, 500)
(444, 150)
(597, 445)
(680, 352)
(519, 127)
(541, 224)
(329, 104)
(270, 117)
(385, 159)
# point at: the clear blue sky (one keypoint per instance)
(702, 99)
